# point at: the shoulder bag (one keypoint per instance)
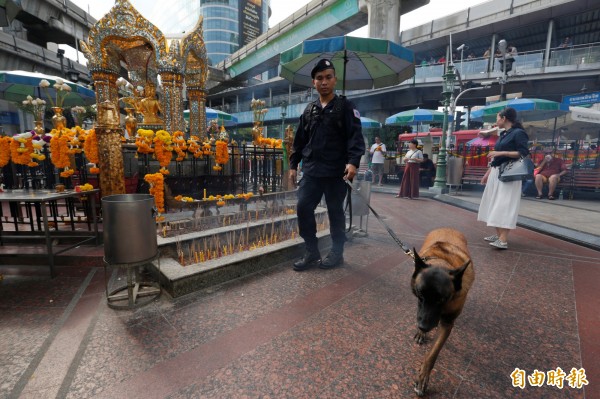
(516, 169)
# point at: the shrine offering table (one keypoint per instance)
(41, 207)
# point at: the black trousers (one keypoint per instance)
(310, 191)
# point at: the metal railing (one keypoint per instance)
(248, 169)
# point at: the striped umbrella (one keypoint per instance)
(529, 109)
(369, 123)
(360, 63)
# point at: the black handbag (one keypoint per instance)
(516, 169)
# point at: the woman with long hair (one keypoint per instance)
(409, 188)
(500, 202)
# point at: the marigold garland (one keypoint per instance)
(163, 150)
(143, 141)
(5, 142)
(21, 148)
(59, 148)
(221, 152)
(194, 148)
(179, 145)
(90, 148)
(157, 190)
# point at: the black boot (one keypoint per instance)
(333, 259)
(310, 259)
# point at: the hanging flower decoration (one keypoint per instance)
(38, 146)
(62, 91)
(21, 149)
(157, 190)
(143, 141)
(35, 106)
(221, 154)
(90, 148)
(163, 150)
(206, 148)
(74, 140)
(179, 145)
(194, 148)
(5, 143)
(59, 149)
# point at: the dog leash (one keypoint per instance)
(402, 245)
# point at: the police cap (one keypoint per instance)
(322, 65)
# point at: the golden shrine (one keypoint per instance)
(123, 38)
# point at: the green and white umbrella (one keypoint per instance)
(415, 116)
(360, 63)
(368, 123)
(528, 109)
(17, 85)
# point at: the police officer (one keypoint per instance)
(329, 142)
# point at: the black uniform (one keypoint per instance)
(326, 140)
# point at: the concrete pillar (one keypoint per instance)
(384, 19)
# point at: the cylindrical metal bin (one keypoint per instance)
(129, 228)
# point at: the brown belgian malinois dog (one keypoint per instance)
(441, 282)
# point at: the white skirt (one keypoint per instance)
(500, 202)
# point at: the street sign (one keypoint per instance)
(582, 99)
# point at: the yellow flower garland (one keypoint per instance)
(163, 150)
(4, 150)
(143, 141)
(157, 190)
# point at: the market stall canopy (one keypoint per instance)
(528, 109)
(223, 118)
(360, 63)
(575, 125)
(17, 85)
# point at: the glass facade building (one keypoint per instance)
(228, 24)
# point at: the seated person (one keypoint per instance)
(549, 172)
(427, 171)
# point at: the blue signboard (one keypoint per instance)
(9, 118)
(582, 99)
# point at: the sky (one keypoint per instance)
(283, 8)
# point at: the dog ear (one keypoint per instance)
(419, 263)
(457, 275)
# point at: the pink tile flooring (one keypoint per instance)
(343, 333)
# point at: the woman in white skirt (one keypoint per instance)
(500, 202)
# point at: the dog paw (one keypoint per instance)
(421, 386)
(420, 337)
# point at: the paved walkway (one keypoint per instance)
(342, 333)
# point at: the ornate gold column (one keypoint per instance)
(197, 99)
(172, 83)
(109, 132)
